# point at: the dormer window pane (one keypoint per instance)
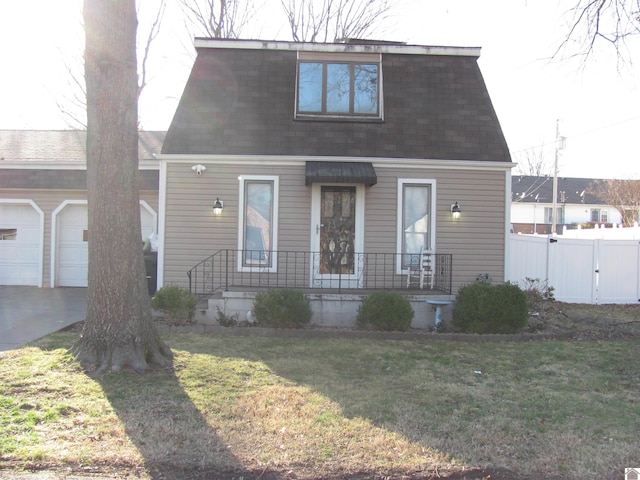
(366, 89)
(310, 87)
(338, 88)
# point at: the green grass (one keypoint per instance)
(333, 406)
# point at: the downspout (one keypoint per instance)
(162, 209)
(507, 225)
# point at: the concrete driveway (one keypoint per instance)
(28, 313)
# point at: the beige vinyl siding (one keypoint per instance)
(476, 240)
(193, 233)
(48, 201)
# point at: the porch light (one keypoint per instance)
(455, 210)
(217, 207)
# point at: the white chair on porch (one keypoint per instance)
(420, 270)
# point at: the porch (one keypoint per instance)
(230, 279)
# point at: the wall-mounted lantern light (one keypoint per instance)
(218, 206)
(456, 210)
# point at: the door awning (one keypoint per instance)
(340, 172)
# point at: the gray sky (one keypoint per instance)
(598, 105)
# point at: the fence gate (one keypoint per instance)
(572, 270)
(619, 264)
(579, 270)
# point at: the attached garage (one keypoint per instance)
(43, 204)
(71, 254)
(21, 243)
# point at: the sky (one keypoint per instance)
(595, 104)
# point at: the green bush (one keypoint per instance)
(282, 308)
(484, 308)
(177, 303)
(386, 311)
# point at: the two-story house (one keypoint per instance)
(332, 167)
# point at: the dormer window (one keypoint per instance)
(339, 86)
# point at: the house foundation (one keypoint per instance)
(329, 309)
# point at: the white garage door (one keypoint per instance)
(20, 245)
(73, 252)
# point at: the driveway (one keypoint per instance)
(28, 313)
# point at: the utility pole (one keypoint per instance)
(554, 205)
(560, 143)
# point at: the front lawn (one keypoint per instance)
(318, 407)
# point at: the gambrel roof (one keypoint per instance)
(240, 100)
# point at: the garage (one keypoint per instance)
(21, 246)
(71, 231)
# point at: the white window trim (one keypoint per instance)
(341, 57)
(274, 223)
(432, 215)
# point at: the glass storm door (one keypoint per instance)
(337, 242)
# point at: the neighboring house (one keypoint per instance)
(335, 165)
(43, 205)
(532, 204)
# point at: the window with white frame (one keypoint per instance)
(258, 222)
(346, 85)
(8, 233)
(416, 219)
(548, 215)
(599, 215)
(604, 216)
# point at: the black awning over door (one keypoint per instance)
(340, 172)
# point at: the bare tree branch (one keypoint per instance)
(154, 30)
(624, 195)
(592, 22)
(334, 20)
(226, 19)
(73, 108)
(534, 161)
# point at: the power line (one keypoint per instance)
(588, 132)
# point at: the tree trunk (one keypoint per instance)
(119, 331)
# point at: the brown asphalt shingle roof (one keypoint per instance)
(56, 152)
(63, 145)
(241, 101)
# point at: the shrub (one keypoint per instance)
(177, 303)
(226, 320)
(282, 308)
(386, 311)
(484, 308)
(538, 293)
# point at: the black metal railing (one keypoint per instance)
(258, 269)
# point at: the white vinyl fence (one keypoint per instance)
(580, 270)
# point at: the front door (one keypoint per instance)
(337, 236)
